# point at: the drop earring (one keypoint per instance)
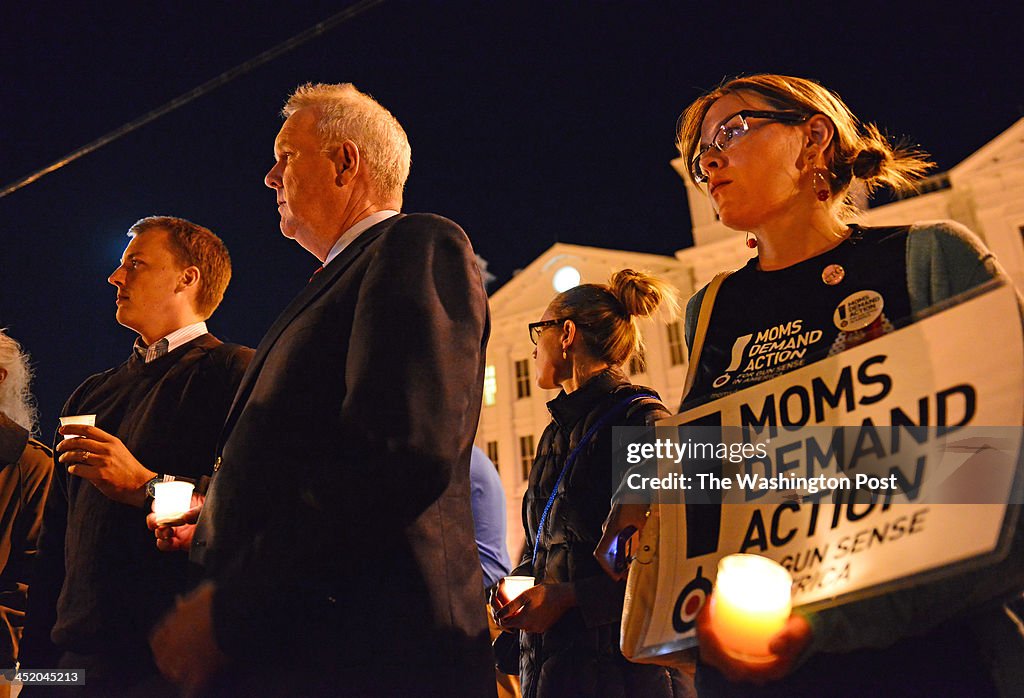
(820, 185)
(751, 241)
(564, 355)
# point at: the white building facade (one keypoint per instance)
(985, 192)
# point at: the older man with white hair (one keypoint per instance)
(337, 537)
(26, 469)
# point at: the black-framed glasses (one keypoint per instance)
(733, 129)
(537, 327)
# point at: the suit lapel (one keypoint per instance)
(313, 290)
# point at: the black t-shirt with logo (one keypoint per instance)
(764, 324)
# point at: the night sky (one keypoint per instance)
(530, 123)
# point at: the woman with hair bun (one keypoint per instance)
(781, 158)
(570, 619)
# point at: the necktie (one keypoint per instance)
(317, 271)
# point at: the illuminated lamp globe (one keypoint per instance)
(565, 278)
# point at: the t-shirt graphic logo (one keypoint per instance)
(739, 348)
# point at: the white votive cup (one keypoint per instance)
(514, 586)
(86, 419)
(172, 499)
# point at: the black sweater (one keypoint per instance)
(168, 413)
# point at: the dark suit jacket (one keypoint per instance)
(338, 528)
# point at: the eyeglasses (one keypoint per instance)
(733, 129)
(537, 327)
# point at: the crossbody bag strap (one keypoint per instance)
(602, 422)
(703, 319)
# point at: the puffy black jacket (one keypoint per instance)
(579, 655)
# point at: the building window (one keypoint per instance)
(490, 386)
(492, 453)
(523, 378)
(676, 345)
(637, 365)
(526, 454)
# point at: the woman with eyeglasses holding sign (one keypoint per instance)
(570, 619)
(780, 158)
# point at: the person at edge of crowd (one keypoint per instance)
(569, 622)
(337, 536)
(779, 157)
(489, 526)
(26, 468)
(157, 418)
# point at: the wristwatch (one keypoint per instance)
(151, 486)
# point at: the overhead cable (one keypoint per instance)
(208, 86)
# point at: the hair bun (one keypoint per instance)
(638, 293)
(606, 314)
(869, 162)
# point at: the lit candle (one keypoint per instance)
(86, 419)
(750, 604)
(514, 586)
(171, 500)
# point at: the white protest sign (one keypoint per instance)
(962, 368)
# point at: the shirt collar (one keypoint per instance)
(166, 345)
(356, 230)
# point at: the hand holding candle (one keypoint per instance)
(784, 648)
(103, 459)
(534, 608)
(750, 605)
(177, 535)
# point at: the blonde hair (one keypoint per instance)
(606, 315)
(16, 400)
(346, 113)
(194, 245)
(858, 150)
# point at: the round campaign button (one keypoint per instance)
(858, 310)
(833, 274)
